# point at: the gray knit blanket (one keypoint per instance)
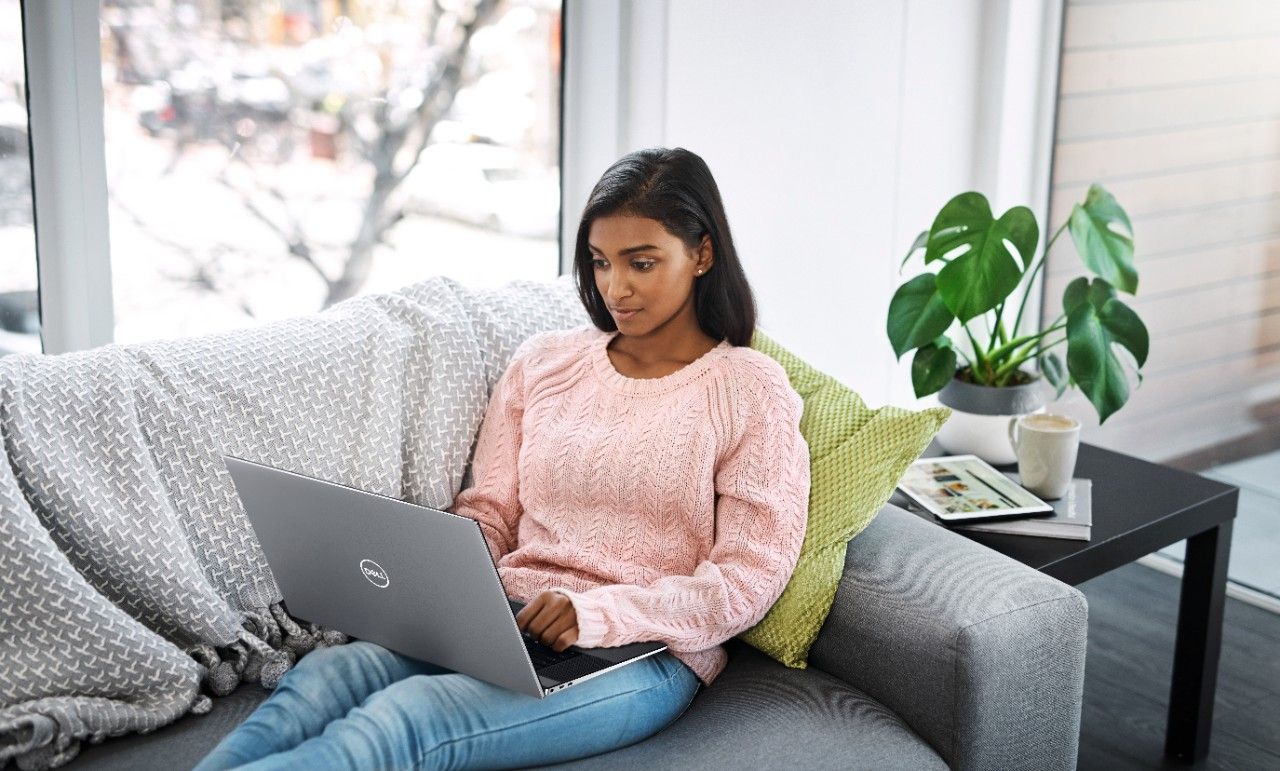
(132, 587)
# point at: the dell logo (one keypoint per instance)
(374, 572)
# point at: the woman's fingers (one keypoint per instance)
(528, 612)
(547, 618)
(563, 628)
(549, 609)
(567, 637)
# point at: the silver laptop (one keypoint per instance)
(411, 578)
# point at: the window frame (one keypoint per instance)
(68, 152)
(68, 147)
(614, 96)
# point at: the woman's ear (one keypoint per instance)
(705, 253)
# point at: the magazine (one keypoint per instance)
(957, 488)
(1072, 517)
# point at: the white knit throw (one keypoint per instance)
(131, 585)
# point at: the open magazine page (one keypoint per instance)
(958, 487)
(1072, 517)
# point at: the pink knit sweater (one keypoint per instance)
(667, 508)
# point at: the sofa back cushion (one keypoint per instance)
(856, 457)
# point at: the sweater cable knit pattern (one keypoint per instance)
(669, 508)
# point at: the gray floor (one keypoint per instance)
(1132, 614)
(1255, 541)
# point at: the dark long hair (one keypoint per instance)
(674, 187)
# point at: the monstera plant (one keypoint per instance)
(981, 261)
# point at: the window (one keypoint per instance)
(268, 159)
(19, 319)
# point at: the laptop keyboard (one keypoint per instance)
(564, 666)
(544, 656)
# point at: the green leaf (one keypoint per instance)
(1093, 326)
(957, 224)
(1104, 238)
(983, 275)
(1125, 328)
(1132, 364)
(1053, 370)
(916, 314)
(932, 367)
(1092, 364)
(1076, 292)
(1100, 290)
(918, 244)
(1018, 225)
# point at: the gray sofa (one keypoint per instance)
(937, 653)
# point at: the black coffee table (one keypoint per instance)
(1138, 508)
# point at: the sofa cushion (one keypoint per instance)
(178, 745)
(856, 457)
(758, 714)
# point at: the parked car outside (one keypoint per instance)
(15, 166)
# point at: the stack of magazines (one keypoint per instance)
(967, 493)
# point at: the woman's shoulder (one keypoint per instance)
(758, 368)
(759, 400)
(758, 384)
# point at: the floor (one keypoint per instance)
(1132, 611)
(1255, 541)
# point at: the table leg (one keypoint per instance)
(1199, 641)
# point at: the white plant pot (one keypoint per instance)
(986, 436)
(979, 422)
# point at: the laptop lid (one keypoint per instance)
(414, 579)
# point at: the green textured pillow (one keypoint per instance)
(856, 457)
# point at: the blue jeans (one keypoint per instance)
(362, 706)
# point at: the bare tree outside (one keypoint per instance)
(267, 159)
(19, 320)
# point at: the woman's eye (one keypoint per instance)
(641, 266)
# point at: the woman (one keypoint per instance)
(642, 477)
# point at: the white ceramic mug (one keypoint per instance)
(1046, 446)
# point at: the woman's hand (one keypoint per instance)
(551, 620)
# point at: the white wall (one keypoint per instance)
(796, 109)
(835, 130)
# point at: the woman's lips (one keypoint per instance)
(621, 316)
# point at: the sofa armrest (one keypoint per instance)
(980, 654)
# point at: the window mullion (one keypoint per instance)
(68, 168)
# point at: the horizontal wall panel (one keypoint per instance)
(1174, 108)
(1177, 433)
(1120, 157)
(1212, 305)
(1091, 25)
(1211, 343)
(1237, 378)
(1158, 194)
(1159, 236)
(1167, 109)
(1172, 349)
(1178, 312)
(1179, 64)
(1189, 271)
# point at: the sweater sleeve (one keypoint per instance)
(761, 512)
(493, 499)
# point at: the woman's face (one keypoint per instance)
(641, 267)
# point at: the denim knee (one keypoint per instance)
(341, 663)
